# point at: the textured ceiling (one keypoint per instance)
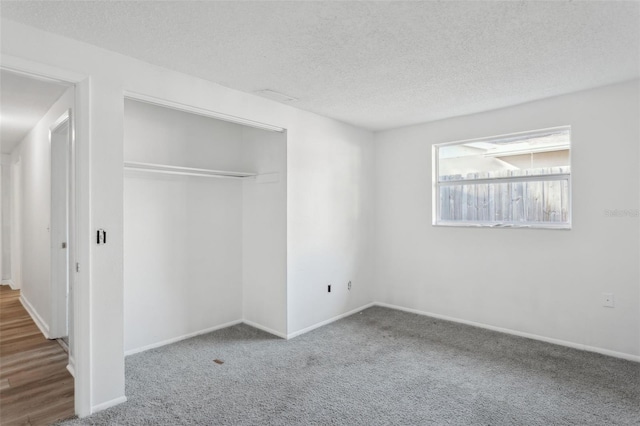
(373, 64)
(23, 102)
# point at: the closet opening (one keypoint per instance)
(205, 243)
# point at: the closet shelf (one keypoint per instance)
(185, 171)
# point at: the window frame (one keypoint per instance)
(437, 184)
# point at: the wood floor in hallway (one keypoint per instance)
(35, 386)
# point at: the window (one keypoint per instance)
(516, 180)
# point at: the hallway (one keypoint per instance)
(35, 386)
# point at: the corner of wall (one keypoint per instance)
(40, 322)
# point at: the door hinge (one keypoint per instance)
(64, 245)
(77, 267)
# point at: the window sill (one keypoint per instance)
(558, 226)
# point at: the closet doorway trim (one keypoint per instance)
(200, 111)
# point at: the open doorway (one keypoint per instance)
(37, 141)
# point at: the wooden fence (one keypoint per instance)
(532, 201)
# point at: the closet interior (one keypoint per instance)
(204, 225)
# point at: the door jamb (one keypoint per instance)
(57, 328)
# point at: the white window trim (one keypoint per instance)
(436, 184)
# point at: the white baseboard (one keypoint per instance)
(71, 367)
(42, 325)
(179, 338)
(10, 283)
(560, 342)
(329, 321)
(263, 328)
(249, 323)
(108, 404)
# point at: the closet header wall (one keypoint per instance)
(205, 225)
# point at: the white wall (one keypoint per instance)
(264, 230)
(542, 282)
(5, 243)
(35, 198)
(329, 186)
(182, 235)
(330, 226)
(16, 223)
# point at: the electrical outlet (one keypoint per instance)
(607, 300)
(349, 286)
(329, 288)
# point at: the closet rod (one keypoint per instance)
(184, 171)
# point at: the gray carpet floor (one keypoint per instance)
(378, 367)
